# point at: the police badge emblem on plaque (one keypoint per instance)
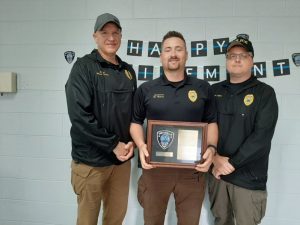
(165, 138)
(69, 56)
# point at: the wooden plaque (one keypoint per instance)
(175, 143)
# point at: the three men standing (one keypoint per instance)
(100, 93)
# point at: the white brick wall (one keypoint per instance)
(34, 126)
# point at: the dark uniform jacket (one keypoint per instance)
(246, 120)
(99, 98)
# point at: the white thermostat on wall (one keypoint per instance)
(8, 82)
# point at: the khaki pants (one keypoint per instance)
(95, 184)
(233, 205)
(155, 187)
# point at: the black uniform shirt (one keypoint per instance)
(191, 100)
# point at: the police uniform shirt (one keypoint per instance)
(190, 100)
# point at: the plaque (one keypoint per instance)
(175, 143)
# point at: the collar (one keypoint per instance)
(164, 80)
(106, 63)
(251, 82)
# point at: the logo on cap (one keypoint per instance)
(243, 41)
(69, 56)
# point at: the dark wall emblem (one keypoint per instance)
(165, 138)
(69, 56)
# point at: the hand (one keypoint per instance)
(120, 151)
(208, 159)
(143, 154)
(129, 147)
(221, 166)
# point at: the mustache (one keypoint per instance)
(173, 57)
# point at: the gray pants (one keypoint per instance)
(233, 205)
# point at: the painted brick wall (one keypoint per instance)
(34, 126)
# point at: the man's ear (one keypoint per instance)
(94, 35)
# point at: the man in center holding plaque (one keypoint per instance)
(174, 96)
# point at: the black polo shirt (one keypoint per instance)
(191, 100)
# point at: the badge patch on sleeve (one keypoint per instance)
(192, 95)
(248, 100)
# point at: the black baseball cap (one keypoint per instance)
(104, 19)
(243, 41)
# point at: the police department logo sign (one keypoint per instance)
(165, 138)
(69, 56)
(248, 100)
(192, 95)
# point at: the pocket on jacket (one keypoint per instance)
(115, 103)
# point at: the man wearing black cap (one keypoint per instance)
(99, 94)
(247, 115)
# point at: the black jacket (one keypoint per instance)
(246, 120)
(99, 98)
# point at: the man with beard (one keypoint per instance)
(169, 98)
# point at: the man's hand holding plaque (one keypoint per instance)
(143, 152)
